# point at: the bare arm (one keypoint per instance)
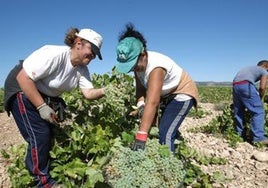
(155, 84)
(93, 93)
(262, 87)
(28, 87)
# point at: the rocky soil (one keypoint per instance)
(242, 169)
(9, 135)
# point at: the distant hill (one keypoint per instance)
(212, 83)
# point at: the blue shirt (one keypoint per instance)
(252, 74)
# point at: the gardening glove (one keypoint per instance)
(138, 110)
(47, 113)
(140, 140)
(140, 105)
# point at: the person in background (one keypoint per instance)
(247, 96)
(33, 87)
(159, 81)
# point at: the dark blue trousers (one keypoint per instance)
(172, 116)
(37, 133)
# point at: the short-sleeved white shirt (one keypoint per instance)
(173, 71)
(51, 70)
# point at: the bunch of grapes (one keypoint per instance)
(153, 167)
(115, 97)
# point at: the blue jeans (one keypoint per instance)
(172, 116)
(246, 96)
(37, 133)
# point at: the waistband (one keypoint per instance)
(240, 82)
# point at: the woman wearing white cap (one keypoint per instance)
(35, 84)
(159, 81)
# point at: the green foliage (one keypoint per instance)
(94, 129)
(193, 154)
(215, 94)
(222, 126)
(153, 167)
(198, 113)
(111, 110)
(95, 125)
(194, 175)
(82, 143)
(20, 176)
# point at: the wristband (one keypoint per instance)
(142, 135)
(40, 106)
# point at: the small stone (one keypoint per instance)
(260, 156)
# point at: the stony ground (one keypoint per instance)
(243, 170)
(9, 135)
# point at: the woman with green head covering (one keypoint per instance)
(160, 82)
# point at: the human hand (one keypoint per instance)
(47, 113)
(140, 141)
(133, 113)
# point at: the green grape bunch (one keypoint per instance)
(119, 91)
(115, 96)
(153, 167)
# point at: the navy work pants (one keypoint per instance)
(172, 116)
(37, 133)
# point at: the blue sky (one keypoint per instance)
(210, 39)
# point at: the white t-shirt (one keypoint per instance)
(51, 70)
(172, 77)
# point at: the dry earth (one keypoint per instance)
(242, 169)
(9, 135)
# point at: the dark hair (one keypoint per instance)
(262, 62)
(70, 37)
(131, 32)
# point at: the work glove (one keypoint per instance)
(138, 109)
(140, 106)
(47, 113)
(140, 140)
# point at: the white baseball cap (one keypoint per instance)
(94, 38)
